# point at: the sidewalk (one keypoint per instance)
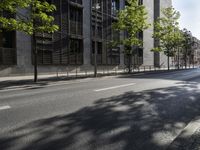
(60, 75)
(189, 139)
(28, 77)
(18, 82)
(27, 82)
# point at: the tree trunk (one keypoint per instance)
(193, 64)
(178, 58)
(193, 61)
(185, 61)
(129, 63)
(95, 60)
(168, 62)
(35, 59)
(189, 61)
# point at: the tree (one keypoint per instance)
(187, 45)
(38, 19)
(178, 44)
(166, 30)
(131, 20)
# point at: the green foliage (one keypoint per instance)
(187, 43)
(37, 19)
(131, 20)
(166, 30)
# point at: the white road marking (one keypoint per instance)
(5, 107)
(114, 87)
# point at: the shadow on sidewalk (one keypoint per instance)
(29, 84)
(147, 120)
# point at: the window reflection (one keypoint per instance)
(115, 6)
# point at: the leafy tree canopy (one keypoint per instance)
(37, 18)
(166, 30)
(188, 42)
(131, 20)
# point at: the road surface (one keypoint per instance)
(146, 111)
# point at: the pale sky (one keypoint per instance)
(190, 15)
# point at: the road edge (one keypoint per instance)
(185, 138)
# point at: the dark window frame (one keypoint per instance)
(57, 51)
(103, 19)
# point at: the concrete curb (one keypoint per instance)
(186, 138)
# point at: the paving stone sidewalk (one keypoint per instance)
(189, 139)
(195, 141)
(192, 143)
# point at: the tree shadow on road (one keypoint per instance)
(147, 120)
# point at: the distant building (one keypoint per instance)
(193, 55)
(84, 26)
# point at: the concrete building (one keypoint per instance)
(189, 57)
(196, 52)
(85, 25)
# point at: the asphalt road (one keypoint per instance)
(137, 112)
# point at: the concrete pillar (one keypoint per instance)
(148, 56)
(24, 52)
(156, 42)
(86, 33)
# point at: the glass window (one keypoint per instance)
(76, 20)
(65, 46)
(7, 48)
(99, 52)
(76, 1)
(99, 48)
(99, 32)
(115, 6)
(7, 39)
(97, 5)
(76, 51)
(140, 52)
(140, 2)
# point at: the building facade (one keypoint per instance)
(85, 26)
(190, 57)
